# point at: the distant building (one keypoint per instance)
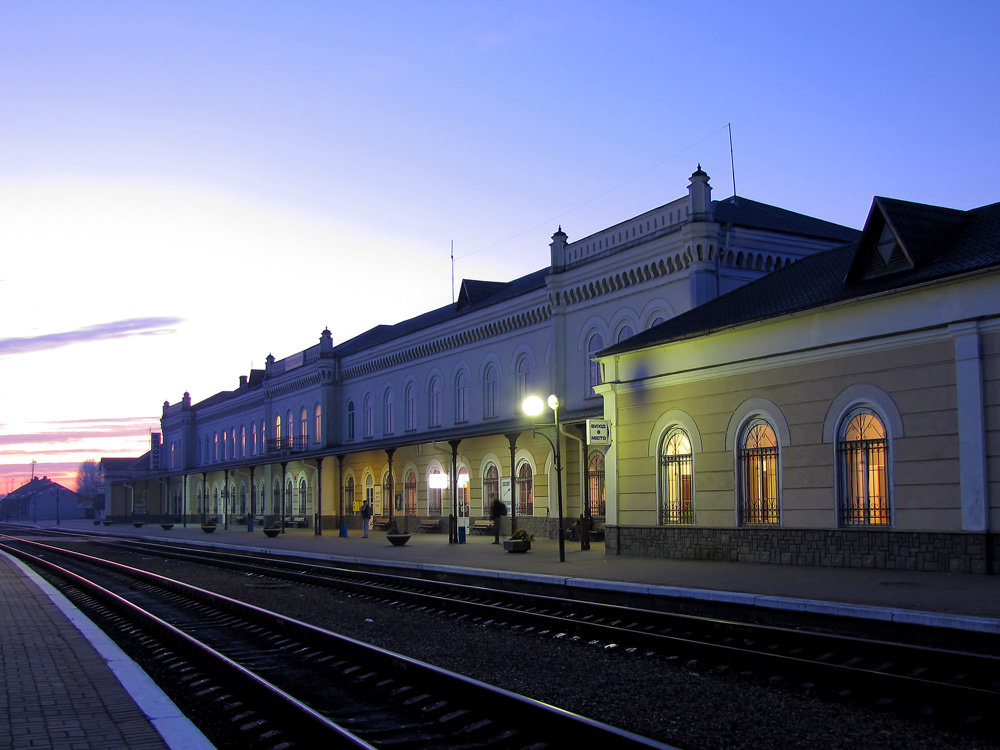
(423, 418)
(41, 499)
(842, 411)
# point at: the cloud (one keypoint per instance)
(100, 332)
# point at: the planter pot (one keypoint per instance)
(138, 524)
(166, 526)
(107, 521)
(271, 533)
(208, 528)
(398, 540)
(516, 545)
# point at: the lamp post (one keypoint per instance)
(533, 406)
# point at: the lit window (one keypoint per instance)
(410, 487)
(462, 492)
(303, 427)
(491, 488)
(861, 455)
(525, 490)
(434, 495)
(758, 462)
(676, 469)
(349, 496)
(318, 427)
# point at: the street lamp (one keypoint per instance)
(533, 406)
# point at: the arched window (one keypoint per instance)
(491, 397)
(368, 416)
(410, 406)
(594, 345)
(462, 492)
(215, 500)
(411, 493)
(461, 398)
(253, 438)
(626, 332)
(434, 403)
(263, 432)
(758, 469)
(243, 499)
(862, 452)
(215, 438)
(525, 490)
(287, 507)
(523, 378)
(232, 443)
(261, 500)
(349, 504)
(370, 490)
(387, 492)
(243, 441)
(303, 427)
(350, 420)
(434, 495)
(289, 428)
(491, 488)
(595, 485)
(318, 424)
(277, 430)
(276, 497)
(388, 401)
(303, 495)
(676, 473)
(225, 444)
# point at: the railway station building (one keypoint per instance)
(423, 417)
(843, 410)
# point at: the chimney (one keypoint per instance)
(557, 250)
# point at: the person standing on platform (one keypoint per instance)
(498, 510)
(366, 518)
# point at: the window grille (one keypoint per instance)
(759, 476)
(525, 491)
(862, 456)
(595, 485)
(676, 473)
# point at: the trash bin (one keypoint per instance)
(461, 534)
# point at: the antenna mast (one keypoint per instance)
(731, 165)
(453, 272)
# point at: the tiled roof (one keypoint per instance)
(946, 242)
(744, 212)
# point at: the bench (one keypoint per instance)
(597, 531)
(298, 522)
(429, 524)
(483, 526)
(378, 522)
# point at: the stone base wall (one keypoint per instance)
(960, 552)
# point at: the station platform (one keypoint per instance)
(66, 693)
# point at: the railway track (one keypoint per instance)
(257, 679)
(950, 685)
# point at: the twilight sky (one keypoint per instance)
(186, 187)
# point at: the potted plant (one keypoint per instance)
(272, 529)
(209, 524)
(166, 523)
(519, 541)
(396, 537)
(138, 523)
